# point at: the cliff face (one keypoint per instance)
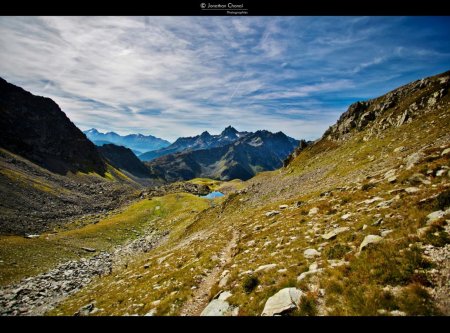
(35, 127)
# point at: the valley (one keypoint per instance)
(355, 223)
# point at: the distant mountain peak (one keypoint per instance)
(229, 130)
(92, 130)
(205, 134)
(139, 143)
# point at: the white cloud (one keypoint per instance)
(177, 76)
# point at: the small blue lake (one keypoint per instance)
(213, 195)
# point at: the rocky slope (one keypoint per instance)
(242, 159)
(50, 172)
(202, 141)
(137, 142)
(36, 128)
(393, 109)
(124, 159)
(36, 200)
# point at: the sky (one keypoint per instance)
(179, 76)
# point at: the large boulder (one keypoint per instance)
(332, 234)
(369, 239)
(284, 301)
(311, 253)
(220, 307)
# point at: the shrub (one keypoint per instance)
(415, 300)
(249, 284)
(308, 305)
(437, 236)
(367, 187)
(337, 251)
(443, 200)
(345, 200)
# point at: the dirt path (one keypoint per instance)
(199, 301)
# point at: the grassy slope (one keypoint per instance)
(354, 289)
(23, 257)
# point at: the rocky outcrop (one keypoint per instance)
(301, 146)
(394, 109)
(35, 127)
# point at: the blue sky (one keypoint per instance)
(179, 76)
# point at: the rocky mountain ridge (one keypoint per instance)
(393, 109)
(202, 141)
(27, 128)
(241, 159)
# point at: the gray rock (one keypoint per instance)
(377, 222)
(151, 313)
(445, 152)
(85, 310)
(265, 267)
(399, 149)
(88, 249)
(413, 159)
(334, 233)
(398, 313)
(346, 216)
(411, 190)
(392, 179)
(390, 173)
(369, 239)
(440, 173)
(436, 215)
(223, 281)
(369, 201)
(32, 236)
(310, 272)
(313, 211)
(311, 253)
(224, 295)
(272, 213)
(418, 178)
(218, 307)
(285, 300)
(283, 206)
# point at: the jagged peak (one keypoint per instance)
(205, 134)
(229, 130)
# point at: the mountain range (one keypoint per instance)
(138, 143)
(202, 141)
(243, 157)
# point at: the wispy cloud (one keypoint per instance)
(178, 76)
